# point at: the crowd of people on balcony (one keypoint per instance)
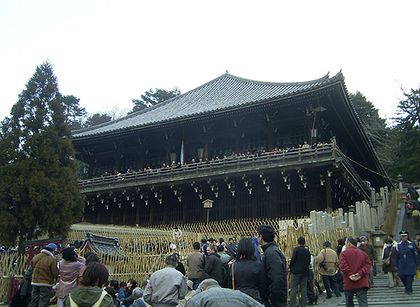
(260, 151)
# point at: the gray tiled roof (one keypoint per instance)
(223, 93)
(103, 245)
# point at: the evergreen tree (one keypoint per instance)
(153, 97)
(408, 135)
(39, 191)
(96, 119)
(380, 135)
(73, 112)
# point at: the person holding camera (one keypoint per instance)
(327, 261)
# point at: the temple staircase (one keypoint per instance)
(381, 295)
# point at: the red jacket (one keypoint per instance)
(352, 261)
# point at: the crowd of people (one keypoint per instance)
(159, 167)
(220, 273)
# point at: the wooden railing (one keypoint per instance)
(219, 167)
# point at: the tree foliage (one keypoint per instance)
(380, 135)
(153, 97)
(73, 112)
(96, 119)
(39, 192)
(408, 136)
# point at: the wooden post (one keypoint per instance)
(328, 196)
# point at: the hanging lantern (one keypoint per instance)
(132, 204)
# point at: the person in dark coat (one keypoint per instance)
(299, 268)
(246, 273)
(389, 260)
(407, 261)
(274, 290)
(213, 267)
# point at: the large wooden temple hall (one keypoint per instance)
(250, 148)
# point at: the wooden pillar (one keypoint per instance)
(328, 196)
(221, 204)
(206, 149)
(98, 216)
(111, 216)
(124, 215)
(165, 213)
(151, 209)
(138, 214)
(238, 206)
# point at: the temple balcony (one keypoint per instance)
(267, 162)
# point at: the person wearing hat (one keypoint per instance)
(69, 269)
(44, 275)
(370, 251)
(327, 261)
(407, 261)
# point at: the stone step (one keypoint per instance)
(381, 295)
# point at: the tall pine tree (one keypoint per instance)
(39, 193)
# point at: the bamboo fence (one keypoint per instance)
(144, 249)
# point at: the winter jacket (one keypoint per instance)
(214, 268)
(330, 260)
(392, 254)
(45, 269)
(68, 276)
(224, 257)
(221, 297)
(370, 251)
(407, 258)
(249, 277)
(87, 296)
(301, 259)
(274, 266)
(352, 261)
(195, 262)
(166, 286)
(138, 303)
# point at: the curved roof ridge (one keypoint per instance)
(148, 109)
(225, 91)
(323, 78)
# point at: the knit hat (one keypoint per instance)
(69, 254)
(52, 247)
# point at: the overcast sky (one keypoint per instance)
(109, 52)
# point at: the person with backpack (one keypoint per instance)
(274, 290)
(91, 292)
